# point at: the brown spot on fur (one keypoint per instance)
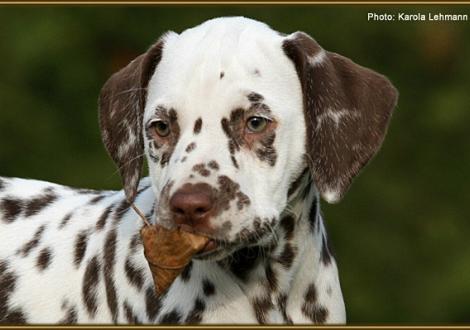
(288, 224)
(255, 97)
(197, 126)
(282, 303)
(121, 209)
(234, 161)
(186, 274)
(190, 147)
(222, 74)
(242, 200)
(90, 284)
(208, 287)
(152, 303)
(271, 277)
(80, 247)
(262, 307)
(233, 129)
(134, 275)
(130, 316)
(108, 269)
(33, 243)
(44, 259)
(201, 169)
(213, 165)
(7, 286)
(11, 208)
(228, 191)
(70, 316)
(97, 199)
(65, 220)
(103, 218)
(173, 317)
(195, 315)
(35, 205)
(15, 316)
(287, 256)
(311, 308)
(134, 243)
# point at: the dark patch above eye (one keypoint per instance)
(255, 97)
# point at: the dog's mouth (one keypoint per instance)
(216, 250)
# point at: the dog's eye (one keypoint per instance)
(256, 124)
(161, 128)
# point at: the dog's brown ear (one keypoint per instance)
(122, 101)
(347, 110)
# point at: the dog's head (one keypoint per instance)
(230, 113)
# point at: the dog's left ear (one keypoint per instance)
(347, 110)
(122, 102)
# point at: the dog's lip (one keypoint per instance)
(211, 245)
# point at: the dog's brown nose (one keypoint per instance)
(192, 204)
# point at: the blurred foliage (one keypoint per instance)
(400, 234)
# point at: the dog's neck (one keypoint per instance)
(293, 278)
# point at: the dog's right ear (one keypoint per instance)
(347, 109)
(122, 102)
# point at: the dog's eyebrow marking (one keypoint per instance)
(255, 97)
(160, 109)
(197, 126)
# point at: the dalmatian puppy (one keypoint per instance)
(244, 130)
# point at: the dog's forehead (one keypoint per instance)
(212, 68)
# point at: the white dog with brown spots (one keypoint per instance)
(244, 129)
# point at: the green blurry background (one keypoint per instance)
(401, 235)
